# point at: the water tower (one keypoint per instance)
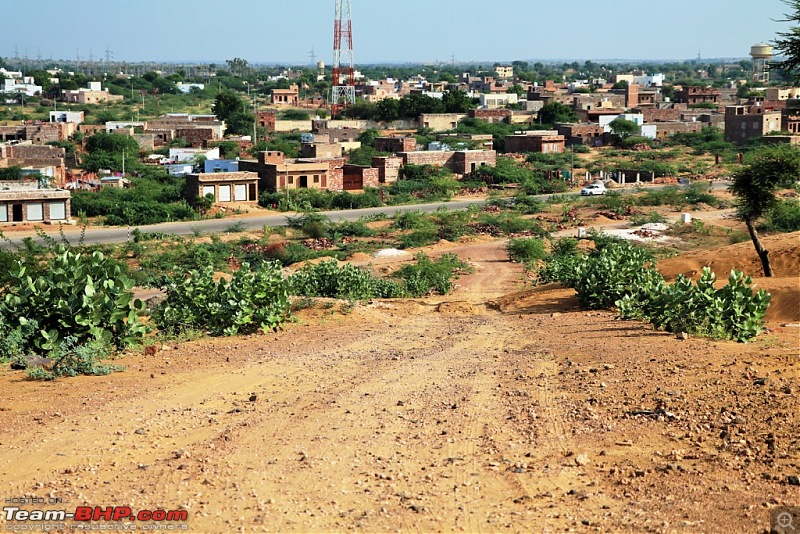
(762, 55)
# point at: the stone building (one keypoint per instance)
(743, 124)
(240, 187)
(22, 201)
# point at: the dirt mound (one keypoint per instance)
(360, 257)
(785, 258)
(784, 307)
(548, 298)
(458, 307)
(784, 253)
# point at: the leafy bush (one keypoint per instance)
(328, 279)
(252, 300)
(419, 238)
(639, 219)
(452, 224)
(528, 204)
(731, 312)
(610, 273)
(525, 250)
(312, 224)
(783, 217)
(71, 358)
(82, 296)
(412, 220)
(351, 228)
(428, 276)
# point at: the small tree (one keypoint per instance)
(623, 128)
(754, 187)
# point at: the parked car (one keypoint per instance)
(593, 189)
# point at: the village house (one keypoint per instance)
(241, 187)
(23, 201)
(93, 94)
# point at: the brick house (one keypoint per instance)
(395, 144)
(286, 97)
(742, 124)
(545, 142)
(21, 201)
(458, 162)
(582, 134)
(694, 94)
(278, 173)
(388, 168)
(225, 186)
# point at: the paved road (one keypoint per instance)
(102, 235)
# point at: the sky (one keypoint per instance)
(408, 31)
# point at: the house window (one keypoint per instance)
(291, 179)
(209, 190)
(316, 178)
(35, 211)
(3, 212)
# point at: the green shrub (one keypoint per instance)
(252, 300)
(328, 279)
(412, 220)
(77, 295)
(526, 250)
(528, 204)
(783, 217)
(419, 238)
(610, 273)
(428, 276)
(731, 312)
(351, 228)
(639, 219)
(452, 224)
(71, 358)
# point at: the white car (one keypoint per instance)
(593, 189)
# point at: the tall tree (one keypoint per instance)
(456, 101)
(754, 187)
(554, 112)
(788, 43)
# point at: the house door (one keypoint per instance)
(252, 190)
(16, 215)
(304, 181)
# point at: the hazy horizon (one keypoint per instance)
(463, 31)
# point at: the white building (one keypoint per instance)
(189, 155)
(66, 116)
(497, 100)
(23, 85)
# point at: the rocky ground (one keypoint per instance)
(496, 408)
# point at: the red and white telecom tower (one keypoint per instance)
(343, 92)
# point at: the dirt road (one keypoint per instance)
(483, 411)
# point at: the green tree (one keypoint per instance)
(230, 108)
(105, 151)
(368, 136)
(226, 104)
(456, 101)
(388, 110)
(555, 112)
(754, 187)
(624, 128)
(788, 43)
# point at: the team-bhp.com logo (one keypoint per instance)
(86, 514)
